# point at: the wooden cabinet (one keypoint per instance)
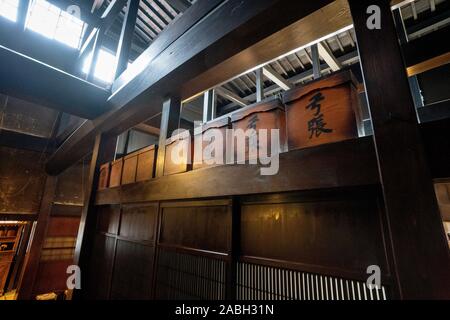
(9, 239)
(135, 167)
(324, 111)
(146, 163)
(139, 166)
(115, 178)
(178, 156)
(129, 168)
(267, 115)
(205, 135)
(103, 182)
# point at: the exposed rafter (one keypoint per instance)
(277, 78)
(106, 21)
(145, 128)
(329, 57)
(231, 96)
(34, 81)
(180, 5)
(346, 59)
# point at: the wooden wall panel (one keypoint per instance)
(133, 271)
(338, 232)
(100, 268)
(203, 226)
(108, 218)
(63, 227)
(22, 180)
(62, 210)
(26, 117)
(121, 265)
(51, 277)
(71, 183)
(139, 222)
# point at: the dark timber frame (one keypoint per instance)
(31, 266)
(126, 36)
(412, 213)
(104, 151)
(396, 160)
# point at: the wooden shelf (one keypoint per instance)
(343, 164)
(9, 251)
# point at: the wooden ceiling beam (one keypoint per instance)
(277, 78)
(106, 21)
(180, 5)
(329, 57)
(13, 139)
(145, 128)
(231, 96)
(34, 81)
(231, 36)
(427, 52)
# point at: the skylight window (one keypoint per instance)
(105, 68)
(9, 9)
(52, 22)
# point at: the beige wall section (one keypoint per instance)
(443, 195)
(22, 180)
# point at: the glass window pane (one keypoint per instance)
(9, 9)
(43, 18)
(53, 23)
(69, 30)
(106, 66)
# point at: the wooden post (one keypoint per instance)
(259, 85)
(209, 106)
(104, 150)
(315, 61)
(421, 258)
(170, 121)
(126, 36)
(31, 265)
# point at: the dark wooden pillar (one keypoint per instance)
(126, 36)
(421, 256)
(209, 106)
(104, 150)
(315, 61)
(33, 256)
(170, 121)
